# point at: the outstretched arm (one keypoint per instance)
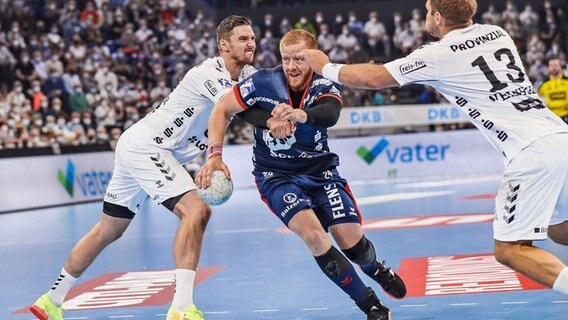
(364, 75)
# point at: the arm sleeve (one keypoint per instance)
(418, 67)
(255, 116)
(325, 113)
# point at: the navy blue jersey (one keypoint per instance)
(306, 151)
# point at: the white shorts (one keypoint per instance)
(142, 170)
(534, 191)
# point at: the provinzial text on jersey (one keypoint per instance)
(469, 44)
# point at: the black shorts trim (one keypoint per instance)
(117, 211)
(170, 203)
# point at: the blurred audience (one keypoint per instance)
(81, 72)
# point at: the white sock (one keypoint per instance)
(183, 295)
(61, 287)
(561, 283)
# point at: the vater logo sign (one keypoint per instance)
(404, 154)
(91, 183)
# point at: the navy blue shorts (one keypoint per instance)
(326, 193)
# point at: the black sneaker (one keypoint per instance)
(373, 307)
(391, 282)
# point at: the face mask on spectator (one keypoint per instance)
(36, 88)
(352, 18)
(338, 19)
(373, 19)
(44, 104)
(267, 22)
(76, 120)
(102, 136)
(38, 122)
(87, 121)
(11, 123)
(319, 19)
(303, 21)
(61, 122)
(26, 122)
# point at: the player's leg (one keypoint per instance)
(337, 209)
(289, 202)
(168, 183)
(526, 204)
(194, 215)
(330, 260)
(121, 193)
(559, 232)
(362, 252)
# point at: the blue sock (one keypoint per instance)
(339, 270)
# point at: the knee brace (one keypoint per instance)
(332, 263)
(362, 253)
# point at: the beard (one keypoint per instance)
(298, 84)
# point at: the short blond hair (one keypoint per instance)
(455, 12)
(295, 36)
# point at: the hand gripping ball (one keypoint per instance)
(219, 191)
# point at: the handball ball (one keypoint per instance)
(219, 191)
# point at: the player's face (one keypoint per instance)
(297, 71)
(242, 44)
(431, 25)
(554, 67)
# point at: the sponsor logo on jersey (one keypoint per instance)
(210, 86)
(472, 43)
(290, 197)
(506, 95)
(224, 83)
(247, 88)
(321, 82)
(254, 100)
(558, 96)
(411, 67)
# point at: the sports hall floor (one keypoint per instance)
(436, 232)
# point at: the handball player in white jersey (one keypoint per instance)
(477, 68)
(149, 162)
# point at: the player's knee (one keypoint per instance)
(559, 233)
(314, 238)
(505, 252)
(363, 252)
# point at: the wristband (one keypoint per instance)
(331, 71)
(215, 150)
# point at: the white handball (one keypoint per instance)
(219, 191)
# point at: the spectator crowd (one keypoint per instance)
(80, 73)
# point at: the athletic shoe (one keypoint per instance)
(44, 309)
(373, 307)
(391, 282)
(190, 313)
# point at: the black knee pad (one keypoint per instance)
(363, 252)
(332, 263)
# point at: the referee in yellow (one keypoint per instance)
(554, 89)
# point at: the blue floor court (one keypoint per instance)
(436, 232)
